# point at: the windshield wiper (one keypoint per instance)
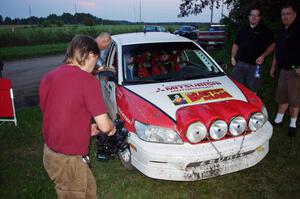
(204, 75)
(141, 81)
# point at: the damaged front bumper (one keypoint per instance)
(189, 162)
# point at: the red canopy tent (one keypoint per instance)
(7, 107)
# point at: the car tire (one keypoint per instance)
(125, 158)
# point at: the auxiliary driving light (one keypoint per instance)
(237, 126)
(218, 129)
(196, 132)
(256, 121)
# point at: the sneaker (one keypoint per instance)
(279, 125)
(292, 131)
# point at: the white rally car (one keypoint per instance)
(187, 120)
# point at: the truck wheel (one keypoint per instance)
(125, 158)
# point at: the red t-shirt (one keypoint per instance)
(69, 98)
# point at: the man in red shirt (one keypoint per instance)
(70, 96)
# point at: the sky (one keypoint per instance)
(152, 10)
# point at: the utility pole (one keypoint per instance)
(140, 11)
(222, 9)
(212, 11)
(29, 9)
(75, 8)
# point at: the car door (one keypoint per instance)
(108, 84)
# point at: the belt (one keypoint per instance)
(85, 158)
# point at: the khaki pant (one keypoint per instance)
(73, 178)
(288, 88)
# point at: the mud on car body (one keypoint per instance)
(186, 119)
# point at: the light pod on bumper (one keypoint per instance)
(256, 121)
(237, 126)
(218, 129)
(196, 132)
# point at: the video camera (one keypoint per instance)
(109, 146)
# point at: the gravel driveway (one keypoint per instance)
(26, 75)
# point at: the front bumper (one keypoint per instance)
(189, 162)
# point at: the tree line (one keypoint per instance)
(60, 20)
(239, 10)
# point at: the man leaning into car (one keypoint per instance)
(70, 96)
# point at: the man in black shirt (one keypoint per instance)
(253, 44)
(287, 57)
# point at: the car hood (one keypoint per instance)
(171, 96)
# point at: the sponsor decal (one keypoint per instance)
(197, 96)
(177, 99)
(186, 87)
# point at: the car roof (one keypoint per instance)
(148, 37)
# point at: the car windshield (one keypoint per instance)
(186, 28)
(163, 62)
(217, 28)
(151, 29)
(154, 29)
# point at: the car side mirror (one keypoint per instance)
(108, 75)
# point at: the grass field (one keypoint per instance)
(22, 174)
(20, 52)
(17, 43)
(50, 35)
(276, 177)
(25, 42)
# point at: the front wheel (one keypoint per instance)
(125, 158)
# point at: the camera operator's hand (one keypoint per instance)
(94, 129)
(112, 132)
(105, 124)
(106, 68)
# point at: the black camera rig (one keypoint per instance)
(109, 146)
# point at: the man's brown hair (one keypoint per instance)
(79, 49)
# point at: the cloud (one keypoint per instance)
(86, 3)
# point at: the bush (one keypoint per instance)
(59, 23)
(89, 22)
(46, 23)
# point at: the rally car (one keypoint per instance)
(186, 119)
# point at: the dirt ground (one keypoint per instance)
(26, 75)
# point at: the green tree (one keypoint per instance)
(46, 23)
(89, 21)
(7, 20)
(239, 8)
(59, 23)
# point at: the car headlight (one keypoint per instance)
(237, 126)
(218, 129)
(157, 134)
(256, 121)
(196, 132)
(265, 113)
